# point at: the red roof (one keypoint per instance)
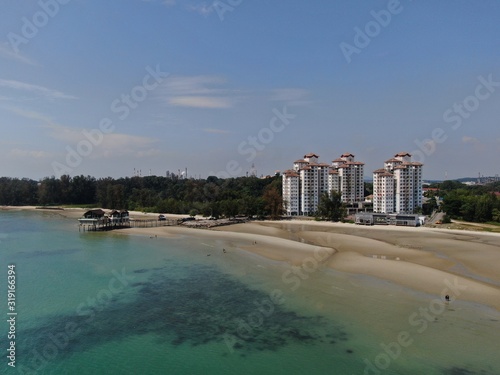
(346, 155)
(338, 160)
(403, 154)
(311, 156)
(383, 173)
(300, 161)
(291, 173)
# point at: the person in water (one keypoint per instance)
(447, 298)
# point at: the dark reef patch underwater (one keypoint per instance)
(464, 371)
(204, 306)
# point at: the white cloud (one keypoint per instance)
(203, 9)
(33, 115)
(470, 140)
(194, 84)
(197, 92)
(35, 89)
(32, 154)
(111, 145)
(212, 92)
(200, 102)
(7, 52)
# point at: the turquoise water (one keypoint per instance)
(105, 303)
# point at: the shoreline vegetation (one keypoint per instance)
(423, 259)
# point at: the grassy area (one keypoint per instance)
(493, 227)
(495, 223)
(482, 227)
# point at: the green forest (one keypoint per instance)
(250, 196)
(210, 197)
(476, 203)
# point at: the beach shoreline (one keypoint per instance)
(421, 259)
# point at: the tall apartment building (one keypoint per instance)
(398, 186)
(313, 179)
(351, 183)
(304, 184)
(291, 191)
(383, 191)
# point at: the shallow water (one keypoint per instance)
(103, 303)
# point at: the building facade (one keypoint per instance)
(397, 188)
(291, 192)
(383, 191)
(309, 179)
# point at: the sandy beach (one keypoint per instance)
(462, 264)
(435, 261)
(422, 259)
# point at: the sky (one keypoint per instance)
(116, 88)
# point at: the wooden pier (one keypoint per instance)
(150, 223)
(97, 220)
(132, 223)
(94, 227)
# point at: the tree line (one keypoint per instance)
(210, 197)
(476, 203)
(250, 196)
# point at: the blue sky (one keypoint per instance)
(215, 87)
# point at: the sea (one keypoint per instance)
(115, 303)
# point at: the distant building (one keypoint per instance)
(398, 186)
(119, 217)
(309, 179)
(407, 220)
